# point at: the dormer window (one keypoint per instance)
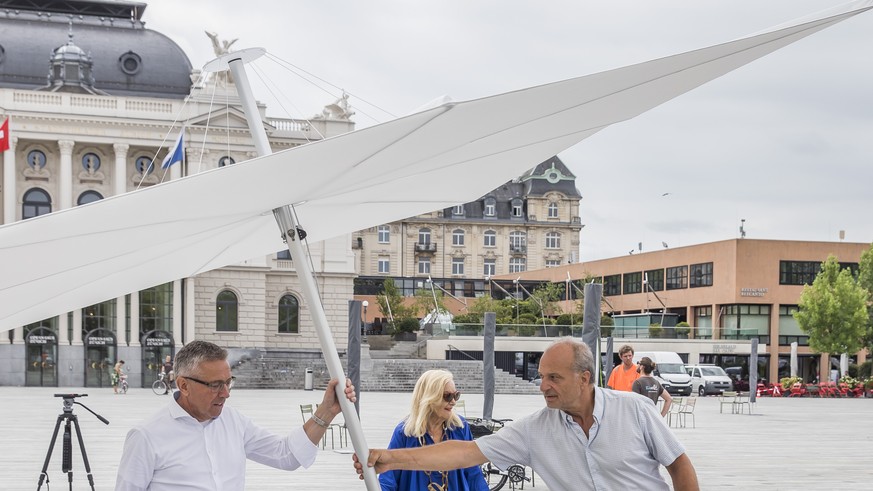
(458, 211)
(490, 207)
(517, 208)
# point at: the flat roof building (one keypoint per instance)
(729, 292)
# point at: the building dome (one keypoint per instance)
(126, 58)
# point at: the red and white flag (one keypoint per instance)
(4, 136)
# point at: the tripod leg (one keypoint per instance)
(43, 476)
(84, 453)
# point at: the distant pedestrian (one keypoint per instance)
(623, 375)
(647, 385)
(115, 376)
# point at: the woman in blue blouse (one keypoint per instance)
(432, 418)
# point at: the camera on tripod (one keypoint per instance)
(70, 421)
(69, 400)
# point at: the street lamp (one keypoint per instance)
(365, 304)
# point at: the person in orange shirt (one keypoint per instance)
(624, 375)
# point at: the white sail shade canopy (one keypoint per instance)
(434, 159)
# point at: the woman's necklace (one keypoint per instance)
(443, 475)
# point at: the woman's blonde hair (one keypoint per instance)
(428, 392)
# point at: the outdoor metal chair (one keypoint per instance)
(727, 398)
(686, 410)
(673, 413)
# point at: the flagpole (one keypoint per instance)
(294, 235)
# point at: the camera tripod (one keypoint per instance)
(67, 452)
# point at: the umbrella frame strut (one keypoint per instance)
(293, 235)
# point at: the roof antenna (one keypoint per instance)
(742, 228)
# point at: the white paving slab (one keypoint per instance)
(787, 444)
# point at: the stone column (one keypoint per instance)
(18, 335)
(134, 319)
(120, 327)
(120, 167)
(190, 314)
(63, 330)
(66, 177)
(9, 191)
(177, 312)
(77, 327)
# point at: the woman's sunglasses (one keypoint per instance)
(451, 396)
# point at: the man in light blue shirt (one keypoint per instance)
(586, 437)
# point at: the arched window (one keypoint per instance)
(89, 197)
(457, 237)
(490, 238)
(36, 202)
(289, 308)
(225, 161)
(553, 240)
(553, 210)
(517, 241)
(226, 311)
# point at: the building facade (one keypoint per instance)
(94, 99)
(730, 292)
(526, 224)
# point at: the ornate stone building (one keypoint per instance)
(526, 224)
(94, 100)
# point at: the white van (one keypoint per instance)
(669, 371)
(709, 379)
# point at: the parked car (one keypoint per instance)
(736, 375)
(669, 371)
(709, 379)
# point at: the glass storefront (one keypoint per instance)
(100, 357)
(42, 354)
(156, 346)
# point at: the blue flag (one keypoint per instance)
(176, 153)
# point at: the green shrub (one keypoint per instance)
(408, 324)
(864, 369)
(655, 330)
(683, 328)
(787, 382)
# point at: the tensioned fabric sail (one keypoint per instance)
(429, 160)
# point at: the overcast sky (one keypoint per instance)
(785, 143)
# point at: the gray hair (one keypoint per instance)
(189, 358)
(583, 360)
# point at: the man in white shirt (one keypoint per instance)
(597, 439)
(198, 443)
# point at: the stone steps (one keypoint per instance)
(279, 370)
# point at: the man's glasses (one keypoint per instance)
(451, 396)
(214, 386)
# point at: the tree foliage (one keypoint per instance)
(391, 305)
(865, 279)
(833, 310)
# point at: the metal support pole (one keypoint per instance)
(290, 228)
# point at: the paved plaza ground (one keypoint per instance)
(786, 444)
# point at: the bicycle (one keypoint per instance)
(161, 386)
(496, 478)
